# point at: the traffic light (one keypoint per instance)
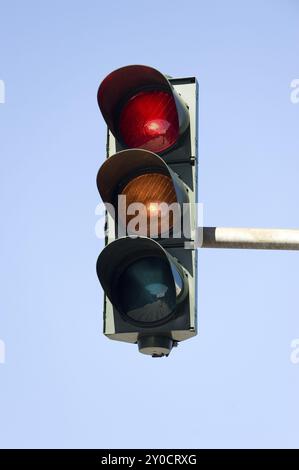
(148, 183)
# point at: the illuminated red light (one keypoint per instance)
(149, 120)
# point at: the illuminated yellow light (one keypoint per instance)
(153, 208)
(151, 189)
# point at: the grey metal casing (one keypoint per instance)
(186, 168)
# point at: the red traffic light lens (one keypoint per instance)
(149, 120)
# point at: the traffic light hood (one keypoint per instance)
(115, 257)
(126, 164)
(159, 118)
(141, 280)
(143, 177)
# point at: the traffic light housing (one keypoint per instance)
(149, 185)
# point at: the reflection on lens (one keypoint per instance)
(151, 189)
(147, 290)
(177, 280)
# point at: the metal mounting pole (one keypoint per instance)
(250, 238)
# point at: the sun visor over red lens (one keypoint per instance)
(120, 83)
(142, 109)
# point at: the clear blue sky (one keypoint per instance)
(64, 384)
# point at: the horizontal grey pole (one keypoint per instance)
(250, 238)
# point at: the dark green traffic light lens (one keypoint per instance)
(147, 291)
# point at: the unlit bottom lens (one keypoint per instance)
(147, 291)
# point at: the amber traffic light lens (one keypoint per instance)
(150, 190)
